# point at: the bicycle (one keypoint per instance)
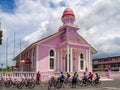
(10, 82)
(2, 81)
(26, 82)
(96, 82)
(85, 82)
(54, 83)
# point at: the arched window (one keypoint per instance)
(52, 59)
(51, 53)
(81, 56)
(81, 61)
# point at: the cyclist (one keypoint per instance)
(85, 78)
(90, 76)
(38, 76)
(76, 74)
(97, 77)
(74, 79)
(62, 79)
(68, 75)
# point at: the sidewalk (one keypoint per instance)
(106, 79)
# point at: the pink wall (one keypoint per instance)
(43, 59)
(43, 55)
(53, 41)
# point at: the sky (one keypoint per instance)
(27, 21)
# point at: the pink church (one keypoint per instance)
(64, 51)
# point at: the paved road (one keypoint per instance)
(106, 85)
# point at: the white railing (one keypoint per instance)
(17, 74)
(102, 73)
(115, 73)
(44, 75)
(47, 75)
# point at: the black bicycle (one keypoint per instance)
(85, 82)
(10, 83)
(54, 83)
(26, 82)
(96, 82)
(2, 81)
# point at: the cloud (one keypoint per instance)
(34, 19)
(102, 27)
(37, 34)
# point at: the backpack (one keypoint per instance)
(62, 77)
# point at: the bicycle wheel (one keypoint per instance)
(8, 84)
(20, 85)
(49, 87)
(58, 85)
(31, 85)
(16, 82)
(80, 82)
(1, 83)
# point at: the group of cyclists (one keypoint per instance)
(86, 77)
(73, 79)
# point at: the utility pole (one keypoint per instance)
(1, 32)
(6, 53)
(14, 46)
(20, 50)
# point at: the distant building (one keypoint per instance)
(64, 51)
(103, 64)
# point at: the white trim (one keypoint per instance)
(87, 59)
(67, 58)
(75, 60)
(90, 66)
(78, 44)
(82, 60)
(37, 49)
(51, 57)
(57, 61)
(79, 61)
(71, 60)
(61, 59)
(47, 45)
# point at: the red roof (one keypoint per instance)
(25, 61)
(68, 11)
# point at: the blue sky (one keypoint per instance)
(7, 6)
(32, 20)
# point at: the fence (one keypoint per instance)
(114, 74)
(109, 74)
(44, 75)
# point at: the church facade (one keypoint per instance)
(64, 51)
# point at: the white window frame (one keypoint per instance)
(52, 57)
(81, 60)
